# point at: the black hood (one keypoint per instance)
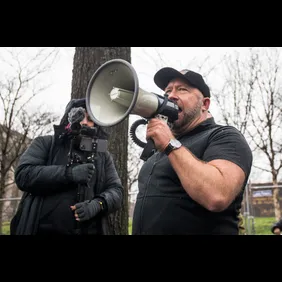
(75, 103)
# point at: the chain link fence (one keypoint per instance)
(258, 208)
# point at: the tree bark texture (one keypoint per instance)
(86, 61)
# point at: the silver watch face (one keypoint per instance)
(175, 143)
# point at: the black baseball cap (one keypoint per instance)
(165, 75)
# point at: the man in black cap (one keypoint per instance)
(194, 182)
(70, 182)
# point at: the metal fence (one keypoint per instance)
(258, 208)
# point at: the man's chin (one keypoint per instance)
(177, 125)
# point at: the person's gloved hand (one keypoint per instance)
(87, 210)
(81, 173)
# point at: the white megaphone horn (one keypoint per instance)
(113, 93)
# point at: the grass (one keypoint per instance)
(129, 226)
(6, 228)
(263, 225)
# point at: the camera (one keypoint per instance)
(85, 138)
(89, 141)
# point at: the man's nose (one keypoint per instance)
(172, 96)
(84, 121)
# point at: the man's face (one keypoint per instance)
(190, 101)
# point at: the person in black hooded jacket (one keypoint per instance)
(80, 187)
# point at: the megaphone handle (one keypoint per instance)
(147, 152)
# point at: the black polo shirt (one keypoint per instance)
(164, 207)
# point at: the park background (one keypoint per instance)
(245, 85)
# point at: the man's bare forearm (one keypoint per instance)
(209, 184)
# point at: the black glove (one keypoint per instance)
(81, 173)
(88, 209)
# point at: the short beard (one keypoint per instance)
(180, 127)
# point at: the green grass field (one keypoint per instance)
(262, 226)
(130, 226)
(6, 228)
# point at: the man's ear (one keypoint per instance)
(206, 104)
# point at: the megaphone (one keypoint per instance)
(113, 93)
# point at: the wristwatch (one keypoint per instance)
(172, 145)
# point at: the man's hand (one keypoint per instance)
(86, 210)
(160, 132)
(277, 231)
(81, 173)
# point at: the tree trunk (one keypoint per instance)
(86, 61)
(276, 200)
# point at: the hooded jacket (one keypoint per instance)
(51, 183)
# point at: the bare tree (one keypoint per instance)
(18, 123)
(251, 101)
(134, 163)
(235, 98)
